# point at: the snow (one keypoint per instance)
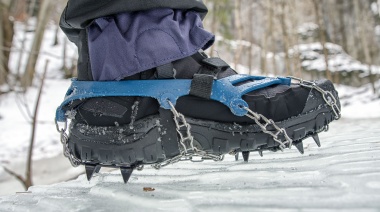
(313, 59)
(374, 8)
(307, 29)
(377, 30)
(344, 174)
(16, 126)
(359, 103)
(235, 43)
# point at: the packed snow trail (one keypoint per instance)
(343, 174)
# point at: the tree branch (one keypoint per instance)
(15, 175)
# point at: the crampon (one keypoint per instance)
(251, 114)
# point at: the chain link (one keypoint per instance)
(188, 152)
(75, 162)
(181, 122)
(264, 123)
(328, 97)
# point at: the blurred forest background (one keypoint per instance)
(335, 39)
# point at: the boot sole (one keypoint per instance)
(141, 144)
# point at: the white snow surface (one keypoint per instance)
(359, 103)
(344, 175)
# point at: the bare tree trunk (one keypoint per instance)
(363, 34)
(322, 36)
(263, 52)
(342, 25)
(251, 39)
(355, 40)
(271, 33)
(31, 7)
(6, 37)
(239, 29)
(294, 23)
(3, 71)
(285, 37)
(33, 57)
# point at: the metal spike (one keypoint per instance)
(97, 169)
(236, 156)
(245, 155)
(261, 153)
(299, 146)
(327, 128)
(90, 170)
(316, 139)
(126, 173)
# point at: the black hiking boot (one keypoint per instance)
(129, 132)
(181, 104)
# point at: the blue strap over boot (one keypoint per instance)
(224, 90)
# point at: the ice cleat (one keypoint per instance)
(316, 139)
(299, 146)
(159, 121)
(245, 156)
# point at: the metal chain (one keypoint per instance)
(328, 97)
(264, 123)
(75, 162)
(188, 152)
(181, 122)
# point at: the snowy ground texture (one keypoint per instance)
(344, 174)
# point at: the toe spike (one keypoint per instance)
(97, 169)
(90, 170)
(299, 146)
(316, 139)
(245, 155)
(236, 156)
(126, 173)
(261, 153)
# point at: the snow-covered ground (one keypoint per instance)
(359, 103)
(344, 174)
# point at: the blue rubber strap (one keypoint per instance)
(223, 90)
(226, 91)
